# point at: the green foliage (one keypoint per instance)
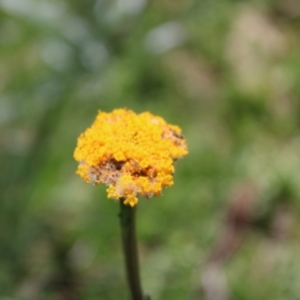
(231, 86)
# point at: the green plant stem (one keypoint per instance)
(127, 221)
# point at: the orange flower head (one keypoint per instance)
(133, 154)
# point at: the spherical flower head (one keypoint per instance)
(133, 154)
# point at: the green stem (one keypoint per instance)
(127, 221)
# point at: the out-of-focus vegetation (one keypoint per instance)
(227, 72)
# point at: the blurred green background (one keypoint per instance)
(227, 72)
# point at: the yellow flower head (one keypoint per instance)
(133, 154)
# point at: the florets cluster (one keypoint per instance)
(133, 154)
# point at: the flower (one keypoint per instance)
(133, 154)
